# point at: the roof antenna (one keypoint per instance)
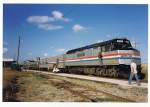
(134, 43)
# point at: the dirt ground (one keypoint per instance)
(36, 87)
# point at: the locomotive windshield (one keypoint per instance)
(122, 45)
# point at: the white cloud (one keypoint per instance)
(100, 41)
(56, 15)
(5, 50)
(45, 54)
(45, 22)
(78, 28)
(49, 26)
(61, 50)
(39, 19)
(59, 16)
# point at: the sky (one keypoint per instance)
(52, 29)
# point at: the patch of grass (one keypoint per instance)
(9, 77)
(25, 74)
(41, 77)
(35, 86)
(145, 71)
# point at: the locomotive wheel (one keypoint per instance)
(115, 74)
(107, 73)
(92, 71)
(85, 71)
(98, 71)
(110, 72)
(103, 72)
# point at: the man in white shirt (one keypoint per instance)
(55, 69)
(133, 67)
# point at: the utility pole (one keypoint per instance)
(38, 62)
(18, 51)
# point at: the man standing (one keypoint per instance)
(133, 67)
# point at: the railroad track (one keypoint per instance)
(83, 90)
(66, 87)
(102, 91)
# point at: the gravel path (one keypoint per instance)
(97, 79)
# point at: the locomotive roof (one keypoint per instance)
(94, 45)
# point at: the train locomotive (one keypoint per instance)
(110, 58)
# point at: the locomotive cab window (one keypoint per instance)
(103, 48)
(122, 45)
(80, 54)
(108, 47)
(86, 52)
(95, 51)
